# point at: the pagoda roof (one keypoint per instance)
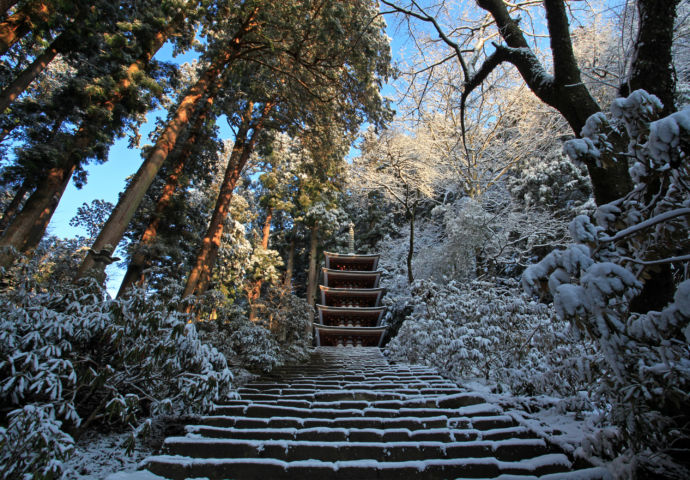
(351, 255)
(351, 275)
(373, 312)
(370, 261)
(332, 292)
(373, 334)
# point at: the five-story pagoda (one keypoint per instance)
(350, 312)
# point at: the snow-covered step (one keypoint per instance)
(420, 401)
(504, 450)
(178, 467)
(331, 396)
(263, 410)
(335, 434)
(412, 423)
(350, 414)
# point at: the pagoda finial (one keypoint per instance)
(351, 242)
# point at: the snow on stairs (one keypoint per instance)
(349, 414)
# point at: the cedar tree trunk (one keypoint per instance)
(312, 274)
(140, 259)
(28, 226)
(255, 292)
(47, 195)
(290, 264)
(24, 79)
(14, 205)
(117, 223)
(200, 275)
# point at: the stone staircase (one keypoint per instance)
(349, 414)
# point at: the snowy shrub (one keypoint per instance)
(485, 330)
(593, 281)
(288, 316)
(281, 334)
(467, 231)
(552, 182)
(487, 237)
(94, 360)
(255, 346)
(33, 444)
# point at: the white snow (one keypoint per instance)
(98, 455)
(138, 475)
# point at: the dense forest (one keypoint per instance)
(525, 178)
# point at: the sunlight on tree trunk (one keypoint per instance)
(21, 83)
(255, 292)
(200, 276)
(140, 259)
(28, 226)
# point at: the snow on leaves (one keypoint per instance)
(594, 280)
(70, 361)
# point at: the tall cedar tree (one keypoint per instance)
(245, 140)
(140, 258)
(117, 223)
(296, 60)
(28, 227)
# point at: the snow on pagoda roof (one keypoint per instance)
(349, 331)
(351, 277)
(351, 311)
(370, 260)
(352, 255)
(351, 273)
(375, 293)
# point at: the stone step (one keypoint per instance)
(380, 377)
(339, 434)
(372, 386)
(180, 467)
(260, 410)
(331, 395)
(400, 389)
(448, 401)
(291, 450)
(412, 423)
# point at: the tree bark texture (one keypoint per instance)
(27, 228)
(290, 264)
(652, 68)
(140, 260)
(200, 275)
(17, 25)
(14, 205)
(312, 274)
(24, 79)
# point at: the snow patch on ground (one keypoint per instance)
(97, 456)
